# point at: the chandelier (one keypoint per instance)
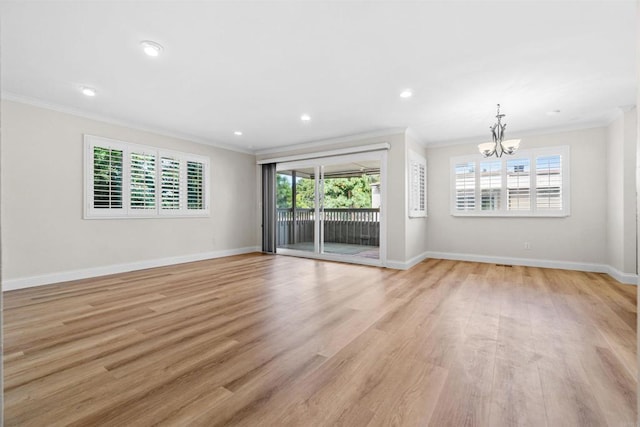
(499, 146)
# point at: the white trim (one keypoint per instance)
(411, 133)
(65, 276)
(318, 163)
(626, 278)
(384, 174)
(321, 154)
(629, 279)
(330, 141)
(9, 96)
(400, 265)
(349, 259)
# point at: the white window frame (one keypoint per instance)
(416, 161)
(531, 155)
(90, 212)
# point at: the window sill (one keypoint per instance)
(512, 215)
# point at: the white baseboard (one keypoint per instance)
(65, 276)
(405, 265)
(629, 279)
(626, 278)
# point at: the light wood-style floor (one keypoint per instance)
(279, 341)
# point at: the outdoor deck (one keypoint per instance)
(347, 231)
(365, 251)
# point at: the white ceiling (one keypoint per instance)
(257, 66)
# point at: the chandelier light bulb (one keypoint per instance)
(88, 91)
(151, 48)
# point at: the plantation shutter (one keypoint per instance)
(107, 180)
(518, 184)
(490, 185)
(465, 181)
(531, 183)
(142, 183)
(549, 182)
(170, 184)
(195, 185)
(124, 179)
(417, 186)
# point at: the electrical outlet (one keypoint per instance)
(527, 246)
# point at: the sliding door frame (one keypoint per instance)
(317, 164)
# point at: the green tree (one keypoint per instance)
(352, 192)
(283, 191)
(305, 193)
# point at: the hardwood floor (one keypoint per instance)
(272, 340)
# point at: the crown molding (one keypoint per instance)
(35, 102)
(527, 133)
(410, 132)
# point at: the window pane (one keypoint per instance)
(170, 183)
(195, 185)
(518, 185)
(465, 186)
(143, 181)
(107, 178)
(490, 185)
(549, 183)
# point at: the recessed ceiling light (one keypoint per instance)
(88, 91)
(151, 48)
(305, 117)
(553, 112)
(407, 93)
(237, 133)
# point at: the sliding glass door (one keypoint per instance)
(296, 209)
(332, 208)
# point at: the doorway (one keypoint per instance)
(332, 208)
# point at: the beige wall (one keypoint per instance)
(621, 195)
(44, 233)
(579, 238)
(42, 200)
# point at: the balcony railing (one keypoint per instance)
(350, 226)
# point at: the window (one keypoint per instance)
(530, 183)
(465, 191)
(518, 185)
(490, 185)
(107, 178)
(417, 185)
(143, 181)
(128, 180)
